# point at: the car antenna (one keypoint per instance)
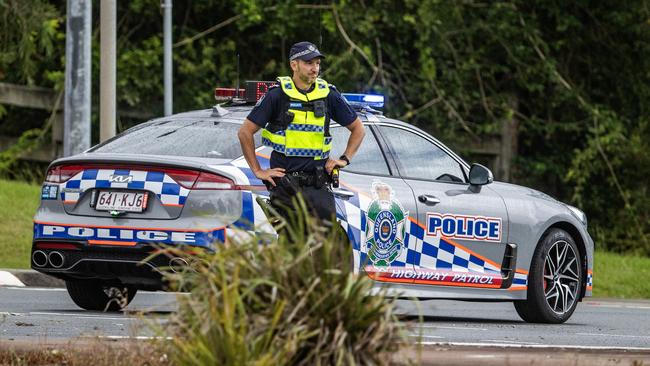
(237, 86)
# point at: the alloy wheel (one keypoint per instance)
(561, 279)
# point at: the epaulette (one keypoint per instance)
(332, 86)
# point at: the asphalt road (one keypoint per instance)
(35, 314)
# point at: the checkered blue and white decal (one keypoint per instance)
(423, 259)
(168, 191)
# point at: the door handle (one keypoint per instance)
(429, 199)
(343, 193)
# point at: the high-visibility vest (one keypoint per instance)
(304, 134)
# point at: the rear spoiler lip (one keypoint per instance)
(149, 161)
(127, 159)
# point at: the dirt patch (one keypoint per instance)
(499, 356)
(96, 352)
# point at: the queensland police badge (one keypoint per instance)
(385, 225)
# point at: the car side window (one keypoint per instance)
(419, 158)
(368, 160)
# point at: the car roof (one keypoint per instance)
(237, 114)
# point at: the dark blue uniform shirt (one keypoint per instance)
(273, 103)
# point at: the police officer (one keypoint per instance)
(295, 117)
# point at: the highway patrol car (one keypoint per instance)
(421, 220)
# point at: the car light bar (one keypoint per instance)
(253, 92)
(223, 94)
(365, 100)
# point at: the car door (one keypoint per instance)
(461, 229)
(374, 206)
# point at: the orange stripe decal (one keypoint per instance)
(112, 242)
(518, 288)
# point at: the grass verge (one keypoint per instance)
(18, 203)
(621, 276)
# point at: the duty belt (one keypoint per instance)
(303, 178)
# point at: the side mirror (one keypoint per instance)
(480, 175)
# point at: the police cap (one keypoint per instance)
(304, 51)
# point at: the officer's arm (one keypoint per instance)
(357, 132)
(245, 134)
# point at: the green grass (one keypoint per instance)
(615, 275)
(18, 203)
(622, 276)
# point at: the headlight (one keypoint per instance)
(578, 214)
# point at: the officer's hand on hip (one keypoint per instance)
(331, 163)
(269, 174)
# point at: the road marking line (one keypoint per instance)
(509, 342)
(8, 279)
(620, 306)
(76, 315)
(27, 288)
(425, 336)
(540, 346)
(612, 335)
(617, 305)
(444, 327)
(129, 337)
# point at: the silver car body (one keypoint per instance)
(432, 238)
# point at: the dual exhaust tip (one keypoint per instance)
(54, 259)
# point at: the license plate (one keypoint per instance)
(121, 201)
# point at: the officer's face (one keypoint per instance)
(306, 71)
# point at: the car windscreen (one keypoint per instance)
(185, 137)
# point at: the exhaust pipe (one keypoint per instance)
(177, 264)
(56, 259)
(39, 258)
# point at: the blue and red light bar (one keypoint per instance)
(365, 100)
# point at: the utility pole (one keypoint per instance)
(107, 67)
(76, 131)
(167, 59)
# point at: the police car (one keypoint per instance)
(421, 221)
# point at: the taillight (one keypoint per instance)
(213, 181)
(185, 178)
(189, 179)
(62, 173)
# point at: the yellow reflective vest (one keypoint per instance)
(303, 130)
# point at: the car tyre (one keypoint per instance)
(554, 281)
(100, 296)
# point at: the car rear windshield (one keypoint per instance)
(194, 138)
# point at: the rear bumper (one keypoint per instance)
(112, 264)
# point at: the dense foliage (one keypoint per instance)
(574, 76)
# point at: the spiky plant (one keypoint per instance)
(295, 301)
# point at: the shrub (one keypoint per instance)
(293, 301)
